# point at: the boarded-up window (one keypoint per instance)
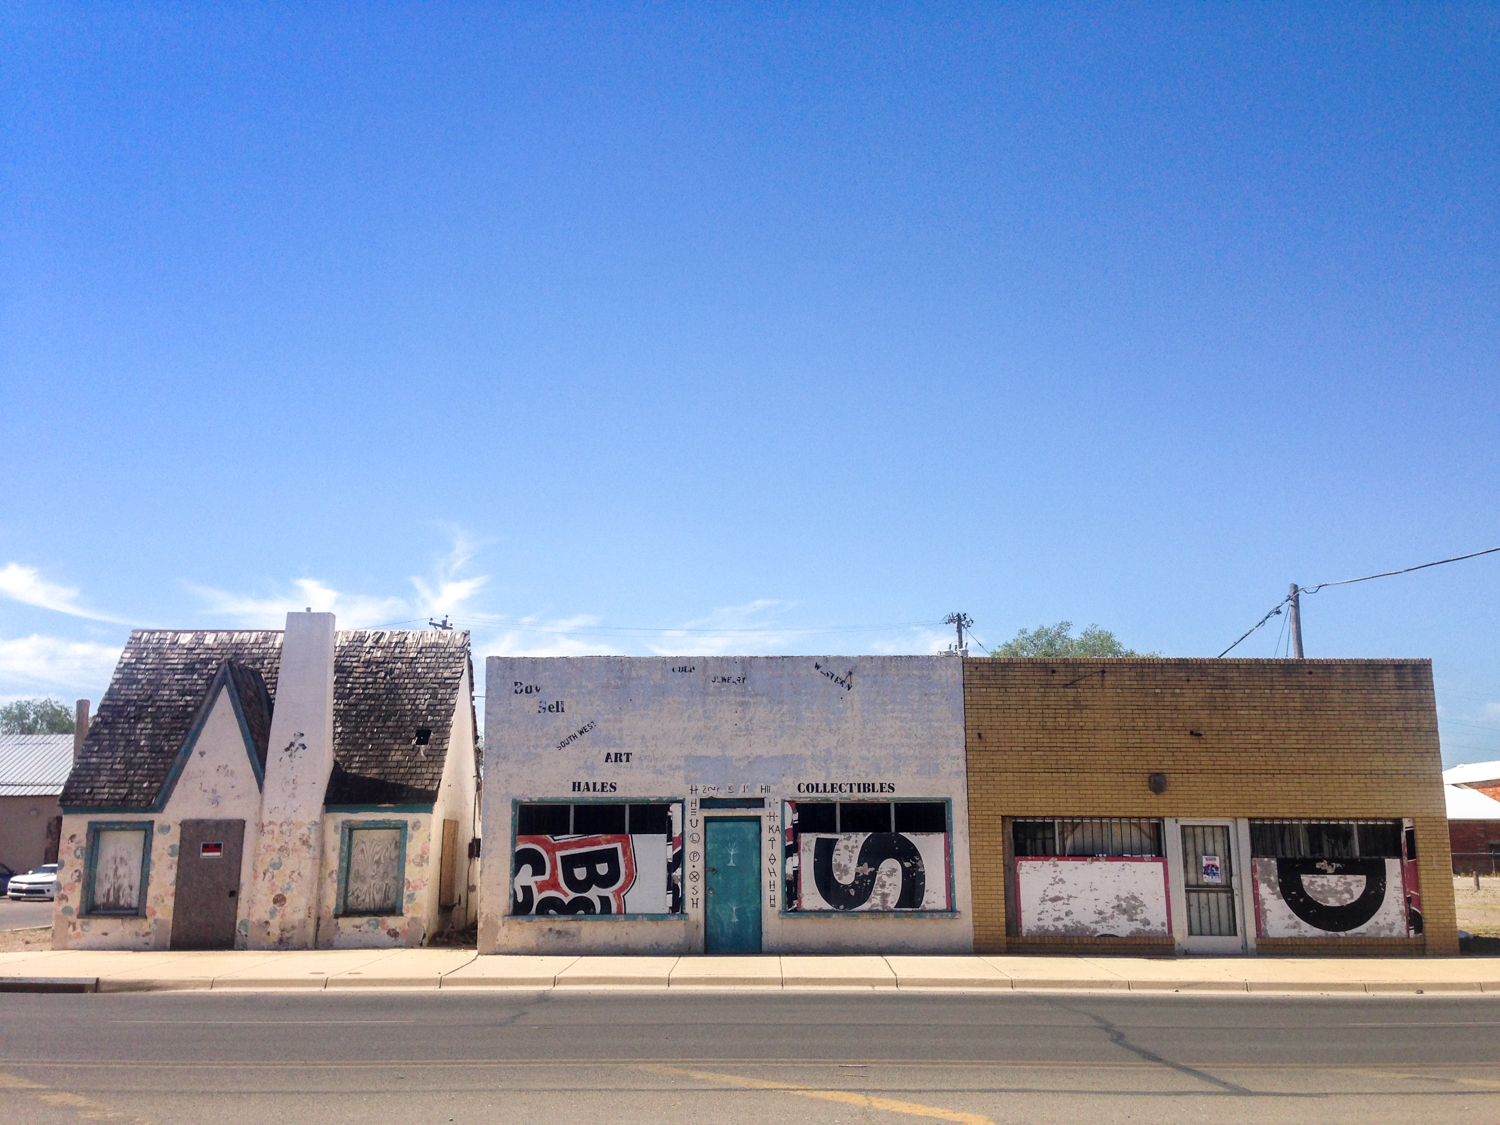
(374, 878)
(871, 856)
(448, 866)
(118, 871)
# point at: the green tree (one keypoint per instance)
(36, 716)
(1057, 642)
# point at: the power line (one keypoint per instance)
(1296, 590)
(1403, 570)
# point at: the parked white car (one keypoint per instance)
(38, 884)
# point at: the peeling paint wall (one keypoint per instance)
(693, 728)
(408, 929)
(1329, 898)
(1092, 897)
(217, 782)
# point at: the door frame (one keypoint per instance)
(1239, 842)
(758, 818)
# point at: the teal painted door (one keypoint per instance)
(731, 868)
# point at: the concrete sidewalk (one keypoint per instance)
(83, 971)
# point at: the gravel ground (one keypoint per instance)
(1478, 912)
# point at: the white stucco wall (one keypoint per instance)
(421, 915)
(455, 801)
(283, 899)
(412, 926)
(753, 726)
(217, 782)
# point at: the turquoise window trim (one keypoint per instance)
(346, 841)
(515, 805)
(91, 852)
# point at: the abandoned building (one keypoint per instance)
(726, 805)
(939, 804)
(1207, 806)
(273, 790)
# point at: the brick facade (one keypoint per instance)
(1473, 840)
(1236, 738)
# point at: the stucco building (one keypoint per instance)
(273, 790)
(939, 804)
(725, 805)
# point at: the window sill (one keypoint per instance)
(596, 917)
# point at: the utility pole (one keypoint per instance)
(1296, 622)
(444, 624)
(960, 621)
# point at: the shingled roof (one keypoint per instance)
(158, 689)
(388, 686)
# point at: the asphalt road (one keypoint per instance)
(205, 1058)
(24, 915)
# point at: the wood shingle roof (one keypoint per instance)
(388, 686)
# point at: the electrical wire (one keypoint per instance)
(1348, 581)
(1403, 570)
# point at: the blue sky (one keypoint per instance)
(752, 329)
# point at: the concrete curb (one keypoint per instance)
(49, 984)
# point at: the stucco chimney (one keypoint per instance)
(283, 909)
(80, 726)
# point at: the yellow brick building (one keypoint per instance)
(1215, 806)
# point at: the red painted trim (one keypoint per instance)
(1260, 929)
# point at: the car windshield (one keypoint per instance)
(46, 869)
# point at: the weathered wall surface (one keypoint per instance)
(23, 830)
(1235, 738)
(412, 926)
(456, 801)
(283, 898)
(567, 729)
(217, 782)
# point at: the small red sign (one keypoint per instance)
(214, 850)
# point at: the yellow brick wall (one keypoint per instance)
(1236, 738)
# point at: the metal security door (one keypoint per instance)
(1209, 889)
(731, 869)
(207, 899)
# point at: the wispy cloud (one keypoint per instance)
(354, 611)
(25, 584)
(54, 662)
(448, 593)
(919, 639)
(729, 629)
(535, 636)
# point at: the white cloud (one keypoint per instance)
(449, 594)
(730, 629)
(25, 584)
(920, 640)
(354, 611)
(532, 636)
(54, 662)
(445, 593)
